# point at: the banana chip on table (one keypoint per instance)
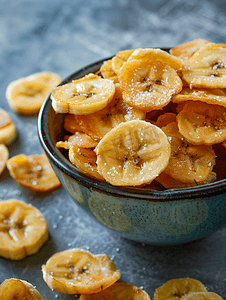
(118, 291)
(202, 124)
(179, 288)
(23, 229)
(83, 96)
(33, 172)
(17, 289)
(4, 155)
(206, 68)
(76, 271)
(132, 153)
(7, 128)
(202, 296)
(26, 95)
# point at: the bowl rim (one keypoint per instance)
(57, 158)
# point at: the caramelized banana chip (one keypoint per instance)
(83, 96)
(33, 172)
(132, 153)
(118, 291)
(76, 271)
(7, 128)
(4, 155)
(119, 59)
(202, 296)
(26, 95)
(17, 289)
(206, 68)
(78, 138)
(23, 229)
(188, 163)
(179, 288)
(202, 124)
(107, 71)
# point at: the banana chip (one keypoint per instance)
(107, 71)
(4, 155)
(78, 138)
(83, 96)
(132, 153)
(7, 128)
(202, 124)
(119, 291)
(202, 296)
(119, 59)
(33, 172)
(23, 229)
(206, 68)
(188, 163)
(178, 289)
(17, 289)
(71, 125)
(26, 95)
(76, 271)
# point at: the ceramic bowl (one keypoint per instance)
(166, 217)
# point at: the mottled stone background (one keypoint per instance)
(63, 36)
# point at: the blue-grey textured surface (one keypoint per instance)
(63, 36)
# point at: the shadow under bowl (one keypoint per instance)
(166, 217)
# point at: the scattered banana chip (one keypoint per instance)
(26, 95)
(206, 68)
(76, 271)
(4, 155)
(7, 128)
(83, 96)
(202, 296)
(178, 288)
(132, 153)
(33, 172)
(17, 289)
(118, 291)
(202, 124)
(23, 229)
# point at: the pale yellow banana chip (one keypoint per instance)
(78, 138)
(119, 59)
(83, 96)
(206, 68)
(33, 172)
(7, 128)
(202, 296)
(202, 124)
(118, 291)
(4, 155)
(175, 289)
(26, 95)
(107, 72)
(98, 124)
(132, 153)
(76, 271)
(17, 289)
(23, 229)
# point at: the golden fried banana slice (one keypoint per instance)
(85, 160)
(33, 172)
(118, 291)
(119, 59)
(175, 289)
(17, 289)
(78, 138)
(132, 153)
(26, 95)
(4, 155)
(7, 128)
(148, 84)
(83, 96)
(210, 96)
(188, 163)
(107, 72)
(76, 271)
(71, 125)
(98, 124)
(165, 119)
(202, 296)
(202, 124)
(186, 50)
(23, 229)
(206, 68)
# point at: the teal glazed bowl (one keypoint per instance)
(166, 217)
